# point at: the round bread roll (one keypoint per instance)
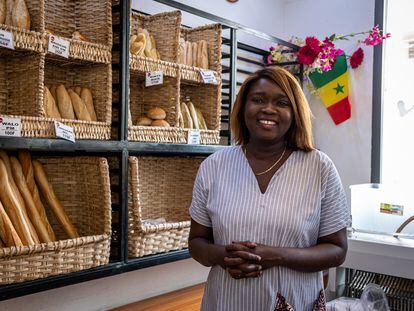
(144, 121)
(162, 123)
(156, 113)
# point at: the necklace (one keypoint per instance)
(270, 168)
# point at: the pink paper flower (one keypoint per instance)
(375, 37)
(357, 58)
(328, 55)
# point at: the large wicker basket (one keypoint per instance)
(22, 97)
(165, 27)
(93, 19)
(82, 186)
(212, 35)
(33, 39)
(159, 187)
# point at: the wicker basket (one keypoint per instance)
(211, 34)
(151, 199)
(165, 27)
(93, 19)
(82, 185)
(23, 98)
(33, 39)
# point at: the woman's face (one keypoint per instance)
(268, 112)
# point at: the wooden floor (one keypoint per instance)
(187, 299)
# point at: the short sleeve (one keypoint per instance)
(334, 209)
(198, 207)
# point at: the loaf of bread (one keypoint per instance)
(21, 15)
(3, 11)
(31, 209)
(193, 115)
(203, 57)
(13, 208)
(53, 92)
(180, 120)
(144, 121)
(77, 90)
(8, 233)
(188, 54)
(201, 121)
(86, 96)
(51, 109)
(194, 47)
(79, 106)
(188, 122)
(161, 123)
(64, 103)
(9, 12)
(51, 198)
(181, 51)
(156, 113)
(27, 167)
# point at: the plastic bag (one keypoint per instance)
(372, 299)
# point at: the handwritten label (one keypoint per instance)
(154, 78)
(64, 131)
(59, 46)
(193, 138)
(6, 39)
(208, 76)
(11, 127)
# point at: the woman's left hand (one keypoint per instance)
(269, 255)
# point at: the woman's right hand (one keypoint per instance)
(240, 263)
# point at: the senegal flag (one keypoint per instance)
(333, 89)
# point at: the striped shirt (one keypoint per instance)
(304, 200)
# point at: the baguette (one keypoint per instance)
(54, 203)
(13, 208)
(49, 103)
(204, 55)
(79, 106)
(20, 15)
(193, 114)
(16, 192)
(86, 96)
(180, 120)
(28, 199)
(181, 52)
(194, 47)
(26, 162)
(9, 12)
(53, 92)
(3, 11)
(188, 122)
(8, 233)
(64, 103)
(201, 120)
(188, 54)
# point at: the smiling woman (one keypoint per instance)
(269, 213)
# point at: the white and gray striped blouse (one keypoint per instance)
(304, 200)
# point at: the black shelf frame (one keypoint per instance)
(122, 148)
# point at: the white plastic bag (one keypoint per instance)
(372, 299)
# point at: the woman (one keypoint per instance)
(269, 213)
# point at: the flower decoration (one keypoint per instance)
(320, 56)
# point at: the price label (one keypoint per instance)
(154, 78)
(64, 131)
(193, 137)
(6, 39)
(11, 127)
(59, 46)
(208, 76)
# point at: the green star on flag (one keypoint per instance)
(339, 88)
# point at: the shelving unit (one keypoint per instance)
(120, 148)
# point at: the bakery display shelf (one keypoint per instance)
(113, 268)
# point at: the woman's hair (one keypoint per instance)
(299, 135)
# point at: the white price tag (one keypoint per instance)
(11, 127)
(154, 78)
(193, 138)
(6, 39)
(64, 131)
(208, 76)
(58, 46)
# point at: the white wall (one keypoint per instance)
(349, 144)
